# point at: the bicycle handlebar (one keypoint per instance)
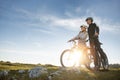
(74, 42)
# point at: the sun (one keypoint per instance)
(77, 57)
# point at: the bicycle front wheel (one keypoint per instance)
(94, 64)
(66, 58)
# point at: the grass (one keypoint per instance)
(70, 74)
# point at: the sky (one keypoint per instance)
(37, 31)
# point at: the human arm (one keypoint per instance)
(74, 38)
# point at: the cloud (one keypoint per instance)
(103, 23)
(8, 51)
(6, 42)
(107, 25)
(37, 44)
(78, 9)
(23, 13)
(72, 22)
(43, 31)
(13, 51)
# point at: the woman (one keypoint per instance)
(82, 36)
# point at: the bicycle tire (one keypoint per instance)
(92, 61)
(99, 59)
(104, 59)
(61, 57)
(105, 62)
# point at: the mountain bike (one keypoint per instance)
(78, 56)
(101, 55)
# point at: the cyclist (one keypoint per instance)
(93, 33)
(82, 36)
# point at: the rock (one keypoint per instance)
(49, 77)
(4, 73)
(56, 73)
(37, 71)
(13, 78)
(21, 71)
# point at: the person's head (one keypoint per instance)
(83, 27)
(89, 20)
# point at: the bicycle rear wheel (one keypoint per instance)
(105, 63)
(66, 58)
(104, 59)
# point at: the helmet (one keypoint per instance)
(89, 18)
(84, 26)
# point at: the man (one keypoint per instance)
(93, 33)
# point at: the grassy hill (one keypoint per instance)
(17, 66)
(69, 74)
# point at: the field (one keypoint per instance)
(66, 74)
